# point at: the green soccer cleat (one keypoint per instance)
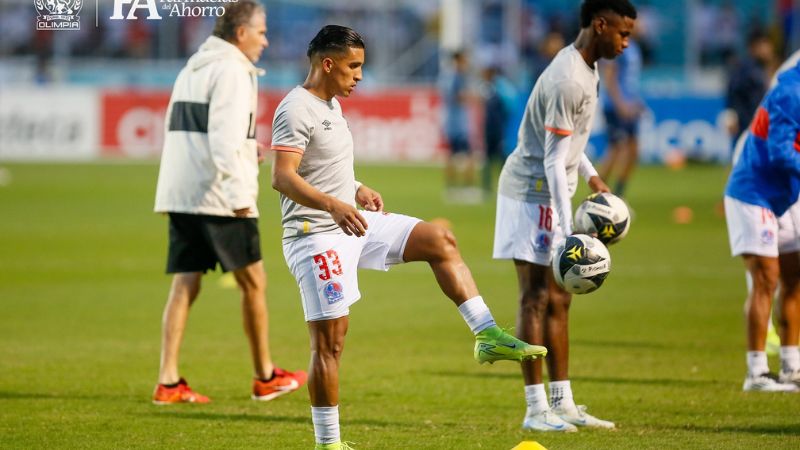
(773, 347)
(334, 446)
(494, 344)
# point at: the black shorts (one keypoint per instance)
(198, 242)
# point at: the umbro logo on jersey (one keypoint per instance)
(327, 125)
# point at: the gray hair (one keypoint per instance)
(236, 15)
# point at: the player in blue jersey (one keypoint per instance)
(622, 108)
(764, 228)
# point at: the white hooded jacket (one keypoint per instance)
(209, 163)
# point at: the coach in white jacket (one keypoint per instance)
(208, 184)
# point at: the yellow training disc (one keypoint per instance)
(529, 445)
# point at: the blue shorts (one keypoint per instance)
(619, 129)
(458, 143)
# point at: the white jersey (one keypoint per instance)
(563, 102)
(209, 164)
(315, 128)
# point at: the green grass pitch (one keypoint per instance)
(659, 348)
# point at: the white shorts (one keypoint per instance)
(754, 230)
(325, 264)
(525, 231)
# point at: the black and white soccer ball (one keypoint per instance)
(581, 264)
(603, 215)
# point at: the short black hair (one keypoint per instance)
(755, 35)
(590, 9)
(235, 15)
(334, 39)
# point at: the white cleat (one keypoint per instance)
(547, 420)
(768, 382)
(792, 376)
(577, 415)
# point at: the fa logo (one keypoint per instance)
(135, 4)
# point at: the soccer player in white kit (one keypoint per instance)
(534, 203)
(326, 238)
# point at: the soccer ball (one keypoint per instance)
(581, 264)
(603, 215)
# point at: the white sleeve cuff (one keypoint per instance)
(586, 169)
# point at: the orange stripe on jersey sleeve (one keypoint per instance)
(797, 142)
(283, 148)
(760, 125)
(559, 131)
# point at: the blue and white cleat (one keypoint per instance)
(768, 382)
(547, 421)
(577, 415)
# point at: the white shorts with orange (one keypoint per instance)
(326, 265)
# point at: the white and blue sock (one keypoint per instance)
(561, 394)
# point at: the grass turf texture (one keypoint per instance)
(659, 348)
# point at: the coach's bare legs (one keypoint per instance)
(764, 272)
(789, 299)
(327, 343)
(437, 246)
(252, 281)
(182, 294)
(543, 320)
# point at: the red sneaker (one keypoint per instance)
(282, 382)
(181, 393)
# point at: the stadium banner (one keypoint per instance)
(389, 125)
(52, 124)
(395, 125)
(132, 123)
(684, 127)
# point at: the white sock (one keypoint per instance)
(476, 314)
(790, 358)
(536, 398)
(326, 424)
(561, 394)
(757, 363)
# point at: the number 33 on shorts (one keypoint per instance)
(327, 264)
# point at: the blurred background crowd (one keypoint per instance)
(102, 90)
(678, 38)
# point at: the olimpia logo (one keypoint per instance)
(58, 14)
(127, 9)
